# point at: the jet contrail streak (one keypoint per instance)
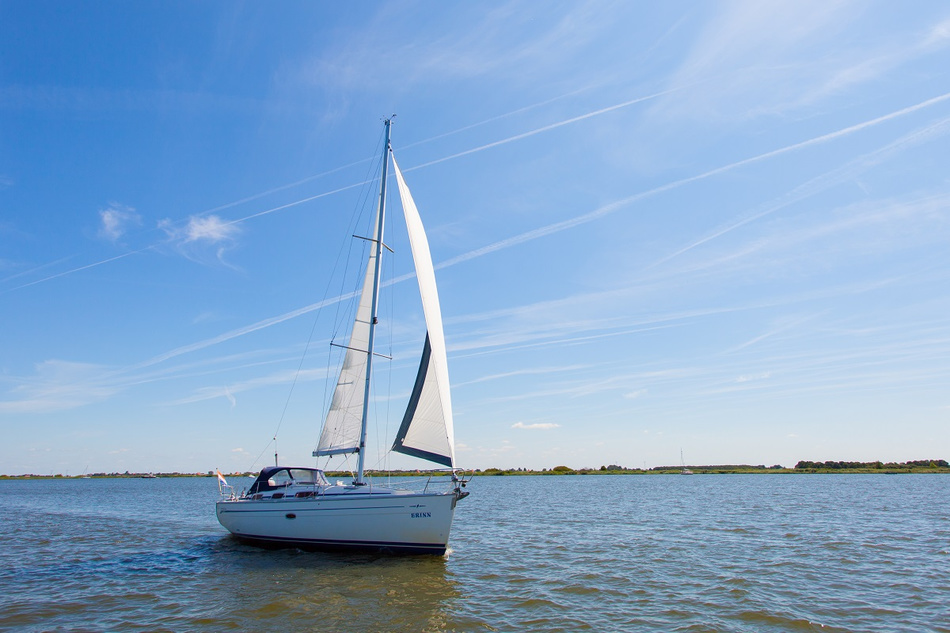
(546, 128)
(76, 270)
(614, 206)
(572, 222)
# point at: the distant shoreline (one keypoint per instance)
(919, 467)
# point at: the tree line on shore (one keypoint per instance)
(803, 466)
(829, 465)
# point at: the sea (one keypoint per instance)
(696, 553)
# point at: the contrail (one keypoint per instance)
(360, 184)
(610, 208)
(76, 270)
(227, 336)
(821, 183)
(548, 128)
(496, 118)
(510, 139)
(614, 206)
(35, 269)
(588, 217)
(374, 157)
(287, 186)
(554, 228)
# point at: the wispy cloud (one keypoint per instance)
(58, 386)
(208, 228)
(870, 62)
(503, 41)
(537, 426)
(763, 58)
(636, 394)
(116, 220)
(521, 372)
(848, 234)
(230, 390)
(750, 377)
(200, 232)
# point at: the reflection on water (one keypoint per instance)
(568, 553)
(327, 591)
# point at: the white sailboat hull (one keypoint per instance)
(391, 521)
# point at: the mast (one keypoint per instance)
(378, 245)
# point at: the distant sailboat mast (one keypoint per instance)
(685, 470)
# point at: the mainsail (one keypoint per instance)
(341, 430)
(427, 428)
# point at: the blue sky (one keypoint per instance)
(720, 228)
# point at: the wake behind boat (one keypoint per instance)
(299, 506)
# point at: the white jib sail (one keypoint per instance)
(341, 430)
(427, 429)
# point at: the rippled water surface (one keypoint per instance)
(567, 553)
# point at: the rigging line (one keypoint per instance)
(359, 209)
(293, 383)
(340, 313)
(267, 446)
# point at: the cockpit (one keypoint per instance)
(279, 477)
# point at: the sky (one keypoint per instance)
(717, 230)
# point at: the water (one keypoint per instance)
(568, 553)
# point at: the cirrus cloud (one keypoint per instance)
(544, 426)
(200, 232)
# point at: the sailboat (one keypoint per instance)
(685, 471)
(298, 506)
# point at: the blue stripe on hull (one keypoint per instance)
(322, 545)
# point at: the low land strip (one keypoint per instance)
(920, 466)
